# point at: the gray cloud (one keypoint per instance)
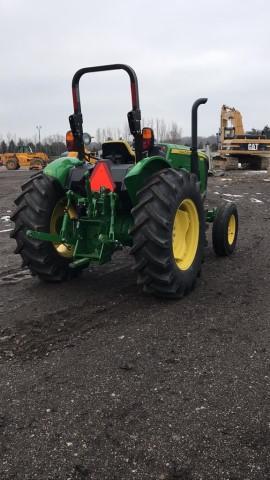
(180, 51)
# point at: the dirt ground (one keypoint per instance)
(101, 382)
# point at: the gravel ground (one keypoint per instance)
(101, 382)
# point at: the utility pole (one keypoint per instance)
(39, 127)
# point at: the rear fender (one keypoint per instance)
(141, 172)
(60, 168)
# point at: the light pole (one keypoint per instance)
(39, 127)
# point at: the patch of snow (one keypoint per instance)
(5, 218)
(231, 195)
(200, 408)
(255, 172)
(7, 230)
(255, 200)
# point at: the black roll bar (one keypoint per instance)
(134, 117)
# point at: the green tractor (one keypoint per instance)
(75, 213)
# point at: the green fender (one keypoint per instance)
(60, 168)
(138, 175)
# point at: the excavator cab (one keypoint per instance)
(229, 132)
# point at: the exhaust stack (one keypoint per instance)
(194, 135)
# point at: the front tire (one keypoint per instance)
(40, 198)
(169, 233)
(225, 230)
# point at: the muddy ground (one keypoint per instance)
(100, 382)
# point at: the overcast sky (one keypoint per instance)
(180, 50)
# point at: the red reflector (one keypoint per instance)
(101, 177)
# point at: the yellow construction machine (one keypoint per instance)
(251, 150)
(24, 157)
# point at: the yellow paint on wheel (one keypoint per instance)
(185, 234)
(63, 249)
(231, 229)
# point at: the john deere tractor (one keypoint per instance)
(75, 213)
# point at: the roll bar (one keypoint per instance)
(134, 116)
(194, 135)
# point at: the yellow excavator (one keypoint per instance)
(24, 157)
(251, 150)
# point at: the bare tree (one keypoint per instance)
(175, 133)
(98, 135)
(126, 131)
(162, 130)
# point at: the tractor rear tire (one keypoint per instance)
(35, 206)
(169, 233)
(225, 230)
(12, 164)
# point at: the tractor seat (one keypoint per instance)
(118, 152)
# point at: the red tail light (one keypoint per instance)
(101, 177)
(147, 138)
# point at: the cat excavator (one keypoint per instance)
(251, 150)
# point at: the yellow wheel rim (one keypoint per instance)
(62, 249)
(185, 235)
(231, 229)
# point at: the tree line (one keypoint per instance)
(265, 131)
(53, 145)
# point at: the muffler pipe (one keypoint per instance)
(194, 135)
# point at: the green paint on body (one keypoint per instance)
(175, 156)
(60, 168)
(138, 175)
(179, 157)
(103, 225)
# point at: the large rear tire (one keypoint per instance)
(169, 233)
(39, 208)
